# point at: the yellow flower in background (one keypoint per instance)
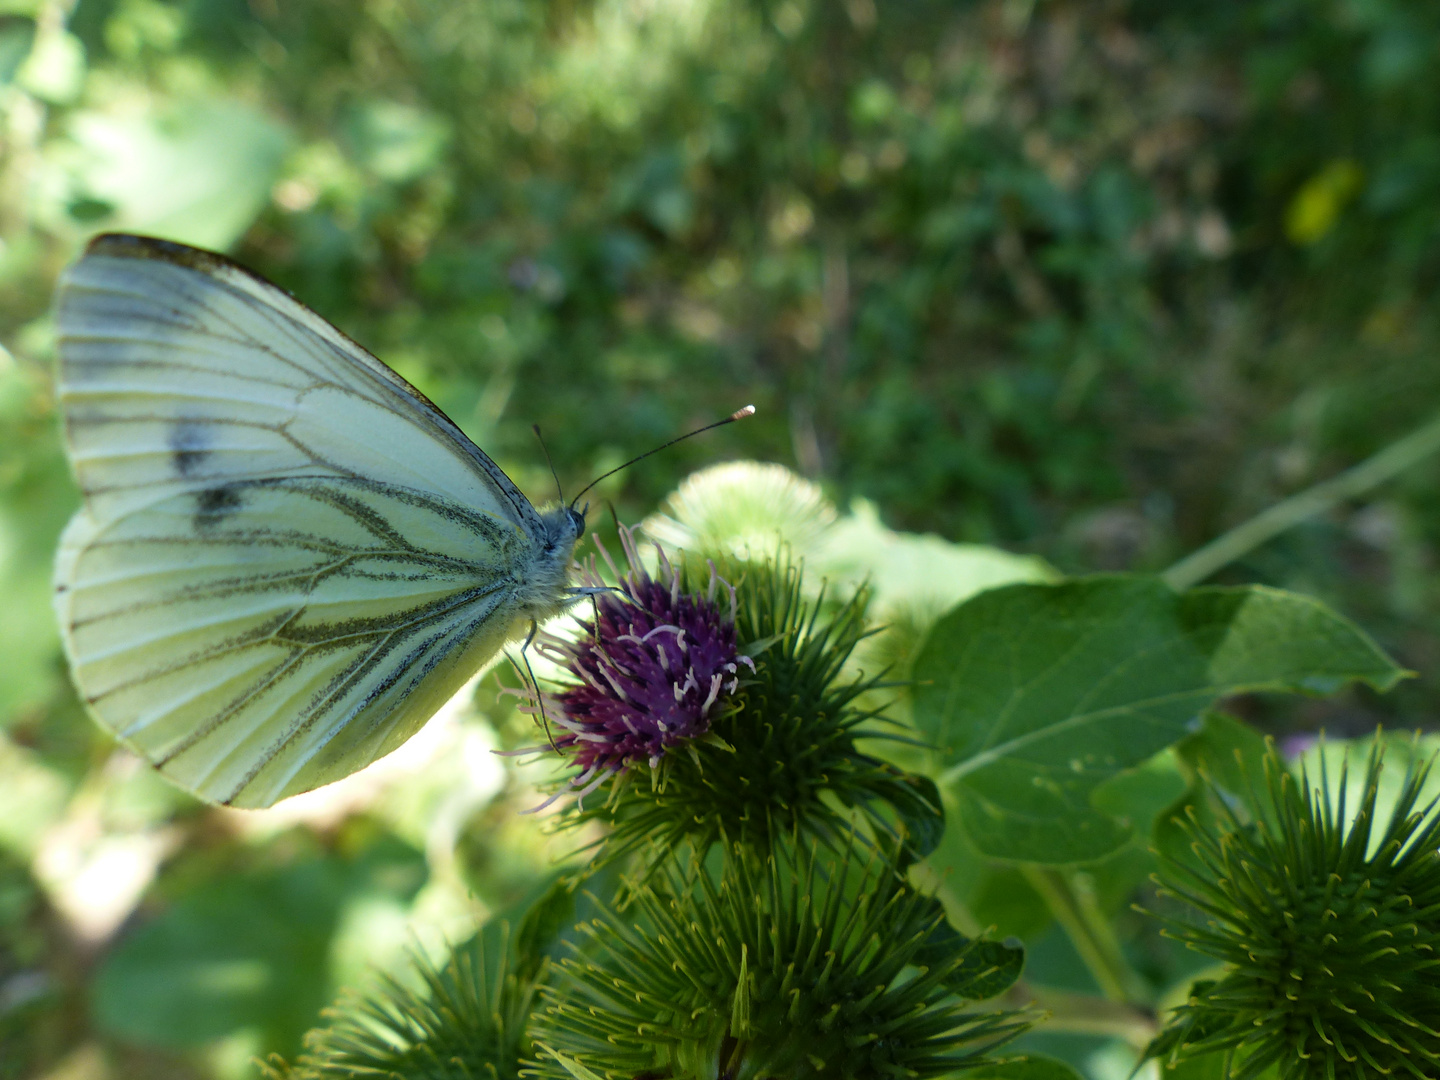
(1317, 205)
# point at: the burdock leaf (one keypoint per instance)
(916, 801)
(1029, 1067)
(546, 920)
(990, 967)
(1035, 694)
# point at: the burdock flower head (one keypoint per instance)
(1326, 913)
(655, 664)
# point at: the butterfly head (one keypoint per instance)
(577, 519)
(561, 528)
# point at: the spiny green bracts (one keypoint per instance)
(780, 761)
(1329, 922)
(466, 1021)
(785, 966)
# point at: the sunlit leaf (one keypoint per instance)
(245, 950)
(55, 68)
(1036, 694)
(32, 798)
(36, 496)
(197, 172)
(397, 142)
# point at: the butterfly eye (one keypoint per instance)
(577, 518)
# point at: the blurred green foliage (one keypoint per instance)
(1090, 279)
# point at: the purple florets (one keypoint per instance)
(655, 665)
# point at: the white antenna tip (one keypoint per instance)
(740, 414)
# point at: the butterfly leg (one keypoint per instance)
(535, 683)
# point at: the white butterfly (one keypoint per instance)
(287, 558)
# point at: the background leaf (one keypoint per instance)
(990, 968)
(1030, 1067)
(1034, 694)
(246, 951)
(197, 172)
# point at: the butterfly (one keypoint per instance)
(287, 557)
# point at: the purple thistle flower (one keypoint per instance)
(654, 665)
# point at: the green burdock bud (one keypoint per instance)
(1328, 921)
(464, 1021)
(778, 756)
(784, 966)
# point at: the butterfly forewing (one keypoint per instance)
(181, 371)
(287, 558)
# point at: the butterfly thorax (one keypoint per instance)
(543, 589)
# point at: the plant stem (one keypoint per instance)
(1106, 964)
(1245, 537)
(1102, 933)
(1085, 1014)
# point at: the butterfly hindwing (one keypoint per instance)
(287, 558)
(281, 636)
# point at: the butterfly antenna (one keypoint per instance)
(738, 414)
(546, 451)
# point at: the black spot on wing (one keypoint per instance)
(190, 446)
(213, 505)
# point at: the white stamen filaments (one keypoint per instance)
(614, 684)
(710, 697)
(650, 669)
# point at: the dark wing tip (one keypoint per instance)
(133, 246)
